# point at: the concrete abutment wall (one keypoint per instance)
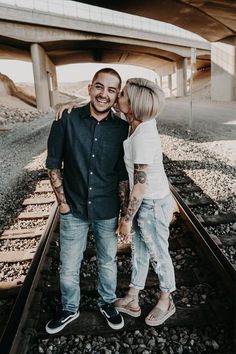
(223, 70)
(45, 78)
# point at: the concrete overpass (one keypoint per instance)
(44, 34)
(214, 20)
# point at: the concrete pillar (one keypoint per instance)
(181, 77)
(170, 84)
(52, 82)
(223, 70)
(161, 83)
(38, 56)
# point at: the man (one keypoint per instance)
(89, 143)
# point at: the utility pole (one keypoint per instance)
(193, 62)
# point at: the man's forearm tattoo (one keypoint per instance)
(124, 196)
(140, 175)
(56, 182)
(133, 207)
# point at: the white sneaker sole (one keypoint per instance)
(58, 329)
(129, 312)
(159, 322)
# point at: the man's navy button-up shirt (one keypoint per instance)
(91, 152)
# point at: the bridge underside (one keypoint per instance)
(213, 20)
(95, 52)
(102, 52)
(64, 46)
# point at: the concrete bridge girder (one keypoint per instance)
(51, 36)
(213, 20)
(10, 52)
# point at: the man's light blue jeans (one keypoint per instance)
(150, 243)
(73, 241)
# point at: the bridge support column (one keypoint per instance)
(52, 83)
(38, 56)
(45, 78)
(170, 84)
(223, 70)
(181, 77)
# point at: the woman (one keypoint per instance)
(151, 205)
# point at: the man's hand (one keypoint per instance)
(64, 208)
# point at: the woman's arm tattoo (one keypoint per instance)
(140, 175)
(133, 207)
(55, 178)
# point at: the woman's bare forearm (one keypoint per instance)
(138, 191)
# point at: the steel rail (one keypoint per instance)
(209, 247)
(8, 343)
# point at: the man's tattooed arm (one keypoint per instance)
(124, 197)
(56, 182)
(136, 197)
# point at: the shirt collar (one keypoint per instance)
(86, 113)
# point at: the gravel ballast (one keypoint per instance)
(205, 152)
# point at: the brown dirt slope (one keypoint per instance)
(7, 87)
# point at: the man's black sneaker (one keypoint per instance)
(113, 317)
(61, 319)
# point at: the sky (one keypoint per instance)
(20, 71)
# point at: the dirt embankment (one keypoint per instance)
(18, 102)
(7, 87)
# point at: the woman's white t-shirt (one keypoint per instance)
(144, 147)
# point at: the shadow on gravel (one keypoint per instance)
(11, 202)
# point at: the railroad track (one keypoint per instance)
(19, 242)
(205, 285)
(219, 227)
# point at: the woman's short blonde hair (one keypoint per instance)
(146, 98)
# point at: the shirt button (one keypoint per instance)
(89, 202)
(95, 139)
(91, 173)
(98, 123)
(93, 155)
(90, 188)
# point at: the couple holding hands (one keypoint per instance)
(113, 180)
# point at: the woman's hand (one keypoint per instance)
(68, 106)
(124, 230)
